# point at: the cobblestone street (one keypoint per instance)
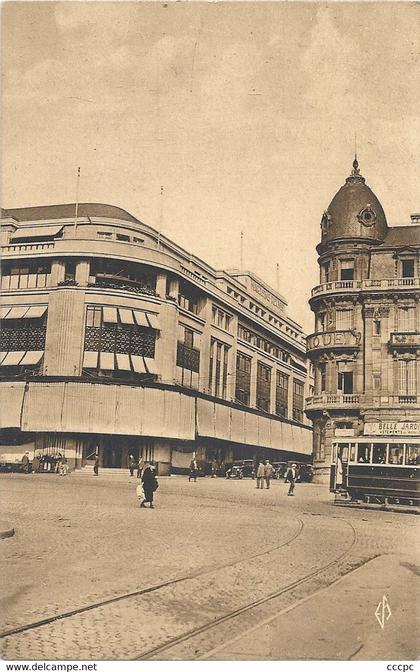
(208, 551)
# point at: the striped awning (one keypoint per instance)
(153, 320)
(36, 232)
(110, 314)
(150, 365)
(90, 359)
(123, 362)
(13, 358)
(138, 364)
(126, 316)
(141, 318)
(18, 312)
(106, 361)
(32, 357)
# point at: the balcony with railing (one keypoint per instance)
(335, 401)
(333, 340)
(115, 282)
(351, 286)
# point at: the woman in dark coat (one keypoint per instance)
(150, 484)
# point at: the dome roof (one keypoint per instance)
(354, 212)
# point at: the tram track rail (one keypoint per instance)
(149, 589)
(230, 616)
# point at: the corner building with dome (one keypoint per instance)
(116, 341)
(366, 346)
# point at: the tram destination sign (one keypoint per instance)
(392, 428)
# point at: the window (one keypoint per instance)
(219, 354)
(395, 453)
(347, 269)
(70, 272)
(26, 275)
(323, 376)
(114, 338)
(298, 394)
(406, 376)
(406, 318)
(188, 358)
(282, 389)
(188, 298)
(138, 240)
(321, 322)
(407, 268)
(123, 237)
(104, 234)
(376, 327)
(263, 387)
(243, 379)
(345, 382)
(94, 316)
(363, 452)
(412, 453)
(220, 318)
(343, 319)
(379, 453)
(326, 272)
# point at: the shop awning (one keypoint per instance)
(16, 312)
(140, 318)
(13, 358)
(110, 314)
(106, 361)
(126, 316)
(32, 357)
(90, 359)
(153, 320)
(41, 232)
(138, 364)
(123, 362)
(150, 365)
(35, 311)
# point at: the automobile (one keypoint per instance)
(241, 469)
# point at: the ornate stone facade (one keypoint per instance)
(366, 345)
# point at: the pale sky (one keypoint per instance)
(245, 112)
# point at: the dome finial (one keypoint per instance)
(355, 172)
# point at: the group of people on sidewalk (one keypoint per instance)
(265, 472)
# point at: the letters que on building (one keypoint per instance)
(338, 338)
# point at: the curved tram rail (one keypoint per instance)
(226, 618)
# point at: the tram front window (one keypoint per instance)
(412, 453)
(363, 452)
(396, 451)
(379, 453)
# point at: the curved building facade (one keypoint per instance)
(117, 341)
(366, 346)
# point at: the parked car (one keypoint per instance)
(241, 469)
(280, 469)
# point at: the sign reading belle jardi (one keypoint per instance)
(392, 428)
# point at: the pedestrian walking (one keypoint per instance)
(268, 473)
(150, 484)
(35, 464)
(96, 466)
(25, 463)
(193, 471)
(291, 477)
(140, 467)
(260, 475)
(131, 464)
(64, 467)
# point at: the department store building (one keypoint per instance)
(115, 340)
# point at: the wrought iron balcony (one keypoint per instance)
(333, 340)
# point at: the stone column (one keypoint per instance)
(82, 272)
(253, 390)
(65, 332)
(58, 270)
(273, 391)
(161, 285)
(166, 342)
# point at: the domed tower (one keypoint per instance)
(368, 274)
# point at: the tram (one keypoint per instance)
(376, 470)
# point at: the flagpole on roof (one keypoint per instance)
(77, 202)
(242, 251)
(160, 218)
